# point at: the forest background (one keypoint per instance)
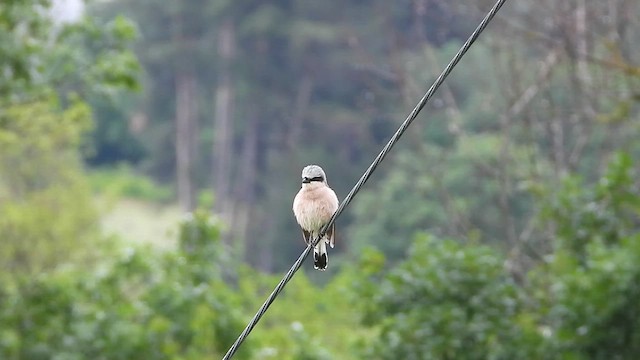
(150, 152)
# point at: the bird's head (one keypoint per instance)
(312, 174)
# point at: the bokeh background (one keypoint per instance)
(150, 151)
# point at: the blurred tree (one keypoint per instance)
(24, 35)
(554, 95)
(588, 291)
(83, 58)
(143, 305)
(308, 74)
(308, 321)
(44, 198)
(48, 73)
(448, 301)
(177, 304)
(511, 121)
(589, 304)
(606, 211)
(93, 59)
(453, 191)
(116, 135)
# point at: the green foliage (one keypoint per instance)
(330, 87)
(93, 59)
(397, 208)
(47, 213)
(308, 321)
(590, 309)
(588, 293)
(458, 197)
(84, 57)
(47, 72)
(40, 58)
(123, 181)
(605, 212)
(448, 301)
(176, 305)
(142, 305)
(115, 139)
(23, 35)
(452, 301)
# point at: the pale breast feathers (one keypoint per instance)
(314, 207)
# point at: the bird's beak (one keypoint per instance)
(306, 180)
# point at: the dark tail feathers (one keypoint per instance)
(320, 256)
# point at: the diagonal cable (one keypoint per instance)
(394, 139)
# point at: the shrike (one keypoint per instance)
(313, 206)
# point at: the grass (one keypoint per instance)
(139, 221)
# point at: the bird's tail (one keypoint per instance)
(320, 256)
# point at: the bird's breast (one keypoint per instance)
(314, 208)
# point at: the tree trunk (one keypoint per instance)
(185, 141)
(223, 117)
(303, 98)
(246, 192)
(184, 120)
(582, 82)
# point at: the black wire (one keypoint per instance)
(365, 176)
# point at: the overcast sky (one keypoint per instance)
(66, 10)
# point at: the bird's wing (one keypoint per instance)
(331, 233)
(306, 235)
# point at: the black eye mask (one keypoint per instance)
(317, 178)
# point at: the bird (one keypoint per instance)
(313, 207)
